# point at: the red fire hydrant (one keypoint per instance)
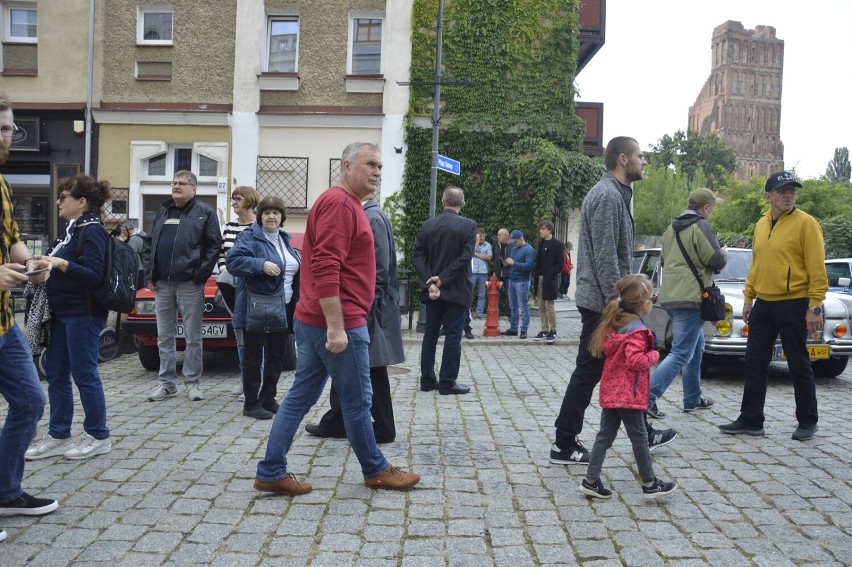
(492, 320)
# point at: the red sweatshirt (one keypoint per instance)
(338, 247)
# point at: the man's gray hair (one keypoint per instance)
(350, 151)
(453, 197)
(4, 102)
(190, 177)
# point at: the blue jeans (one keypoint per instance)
(519, 303)
(452, 316)
(73, 351)
(350, 375)
(188, 298)
(20, 386)
(481, 293)
(685, 357)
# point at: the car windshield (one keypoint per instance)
(736, 269)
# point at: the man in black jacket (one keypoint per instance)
(548, 267)
(441, 259)
(502, 250)
(179, 256)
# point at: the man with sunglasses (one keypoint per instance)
(787, 284)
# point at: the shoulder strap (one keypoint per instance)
(689, 261)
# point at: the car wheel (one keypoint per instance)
(149, 356)
(830, 367)
(39, 364)
(290, 353)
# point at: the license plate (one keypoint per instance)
(815, 352)
(208, 330)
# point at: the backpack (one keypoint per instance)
(117, 291)
(567, 266)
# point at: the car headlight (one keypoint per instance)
(145, 308)
(840, 330)
(724, 327)
(729, 311)
(745, 330)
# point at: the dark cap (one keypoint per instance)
(516, 234)
(781, 179)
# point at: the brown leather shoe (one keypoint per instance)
(287, 485)
(393, 478)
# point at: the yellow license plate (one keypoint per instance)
(815, 352)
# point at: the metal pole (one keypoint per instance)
(436, 112)
(89, 86)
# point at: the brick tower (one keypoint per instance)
(741, 99)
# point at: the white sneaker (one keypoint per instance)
(237, 390)
(242, 398)
(89, 447)
(48, 447)
(2, 535)
(161, 393)
(193, 392)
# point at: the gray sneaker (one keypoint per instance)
(47, 446)
(89, 447)
(237, 390)
(193, 392)
(161, 393)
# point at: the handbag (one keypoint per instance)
(266, 312)
(712, 300)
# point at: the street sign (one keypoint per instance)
(449, 165)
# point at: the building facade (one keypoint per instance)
(741, 99)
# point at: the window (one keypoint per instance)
(163, 166)
(21, 23)
(207, 167)
(282, 52)
(154, 25)
(365, 43)
(157, 166)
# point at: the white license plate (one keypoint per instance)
(208, 330)
(815, 352)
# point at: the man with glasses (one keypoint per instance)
(19, 383)
(179, 256)
(787, 284)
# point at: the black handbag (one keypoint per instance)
(266, 312)
(712, 300)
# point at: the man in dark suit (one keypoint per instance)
(502, 250)
(442, 261)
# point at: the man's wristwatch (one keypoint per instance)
(815, 310)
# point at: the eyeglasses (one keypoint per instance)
(63, 196)
(792, 189)
(8, 131)
(236, 198)
(180, 183)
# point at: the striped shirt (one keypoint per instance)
(10, 236)
(229, 236)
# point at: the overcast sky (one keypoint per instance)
(657, 57)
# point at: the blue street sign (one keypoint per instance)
(448, 165)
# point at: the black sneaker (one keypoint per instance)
(550, 338)
(703, 403)
(575, 454)
(659, 488)
(654, 412)
(657, 438)
(468, 334)
(510, 333)
(540, 336)
(26, 505)
(737, 427)
(595, 489)
(523, 335)
(805, 432)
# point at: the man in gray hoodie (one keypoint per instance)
(604, 254)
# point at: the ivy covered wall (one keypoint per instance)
(516, 133)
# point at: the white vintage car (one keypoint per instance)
(829, 352)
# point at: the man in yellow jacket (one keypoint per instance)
(787, 283)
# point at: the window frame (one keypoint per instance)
(195, 165)
(8, 7)
(358, 15)
(144, 9)
(281, 15)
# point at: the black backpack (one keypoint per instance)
(117, 291)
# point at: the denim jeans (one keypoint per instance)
(481, 293)
(453, 317)
(188, 298)
(73, 352)
(634, 424)
(768, 320)
(519, 303)
(685, 357)
(350, 375)
(20, 386)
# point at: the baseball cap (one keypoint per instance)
(701, 197)
(781, 179)
(516, 234)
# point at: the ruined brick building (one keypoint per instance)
(741, 99)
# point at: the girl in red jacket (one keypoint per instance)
(630, 351)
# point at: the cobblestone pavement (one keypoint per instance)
(177, 487)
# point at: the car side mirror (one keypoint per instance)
(843, 282)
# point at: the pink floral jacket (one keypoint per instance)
(626, 379)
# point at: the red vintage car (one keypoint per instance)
(216, 331)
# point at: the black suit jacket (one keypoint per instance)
(444, 248)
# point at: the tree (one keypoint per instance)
(693, 152)
(839, 169)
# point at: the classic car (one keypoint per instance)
(829, 351)
(217, 331)
(839, 272)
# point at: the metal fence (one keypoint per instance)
(285, 177)
(117, 209)
(333, 170)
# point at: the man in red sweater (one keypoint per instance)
(338, 277)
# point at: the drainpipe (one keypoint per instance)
(89, 87)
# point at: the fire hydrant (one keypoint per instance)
(492, 320)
